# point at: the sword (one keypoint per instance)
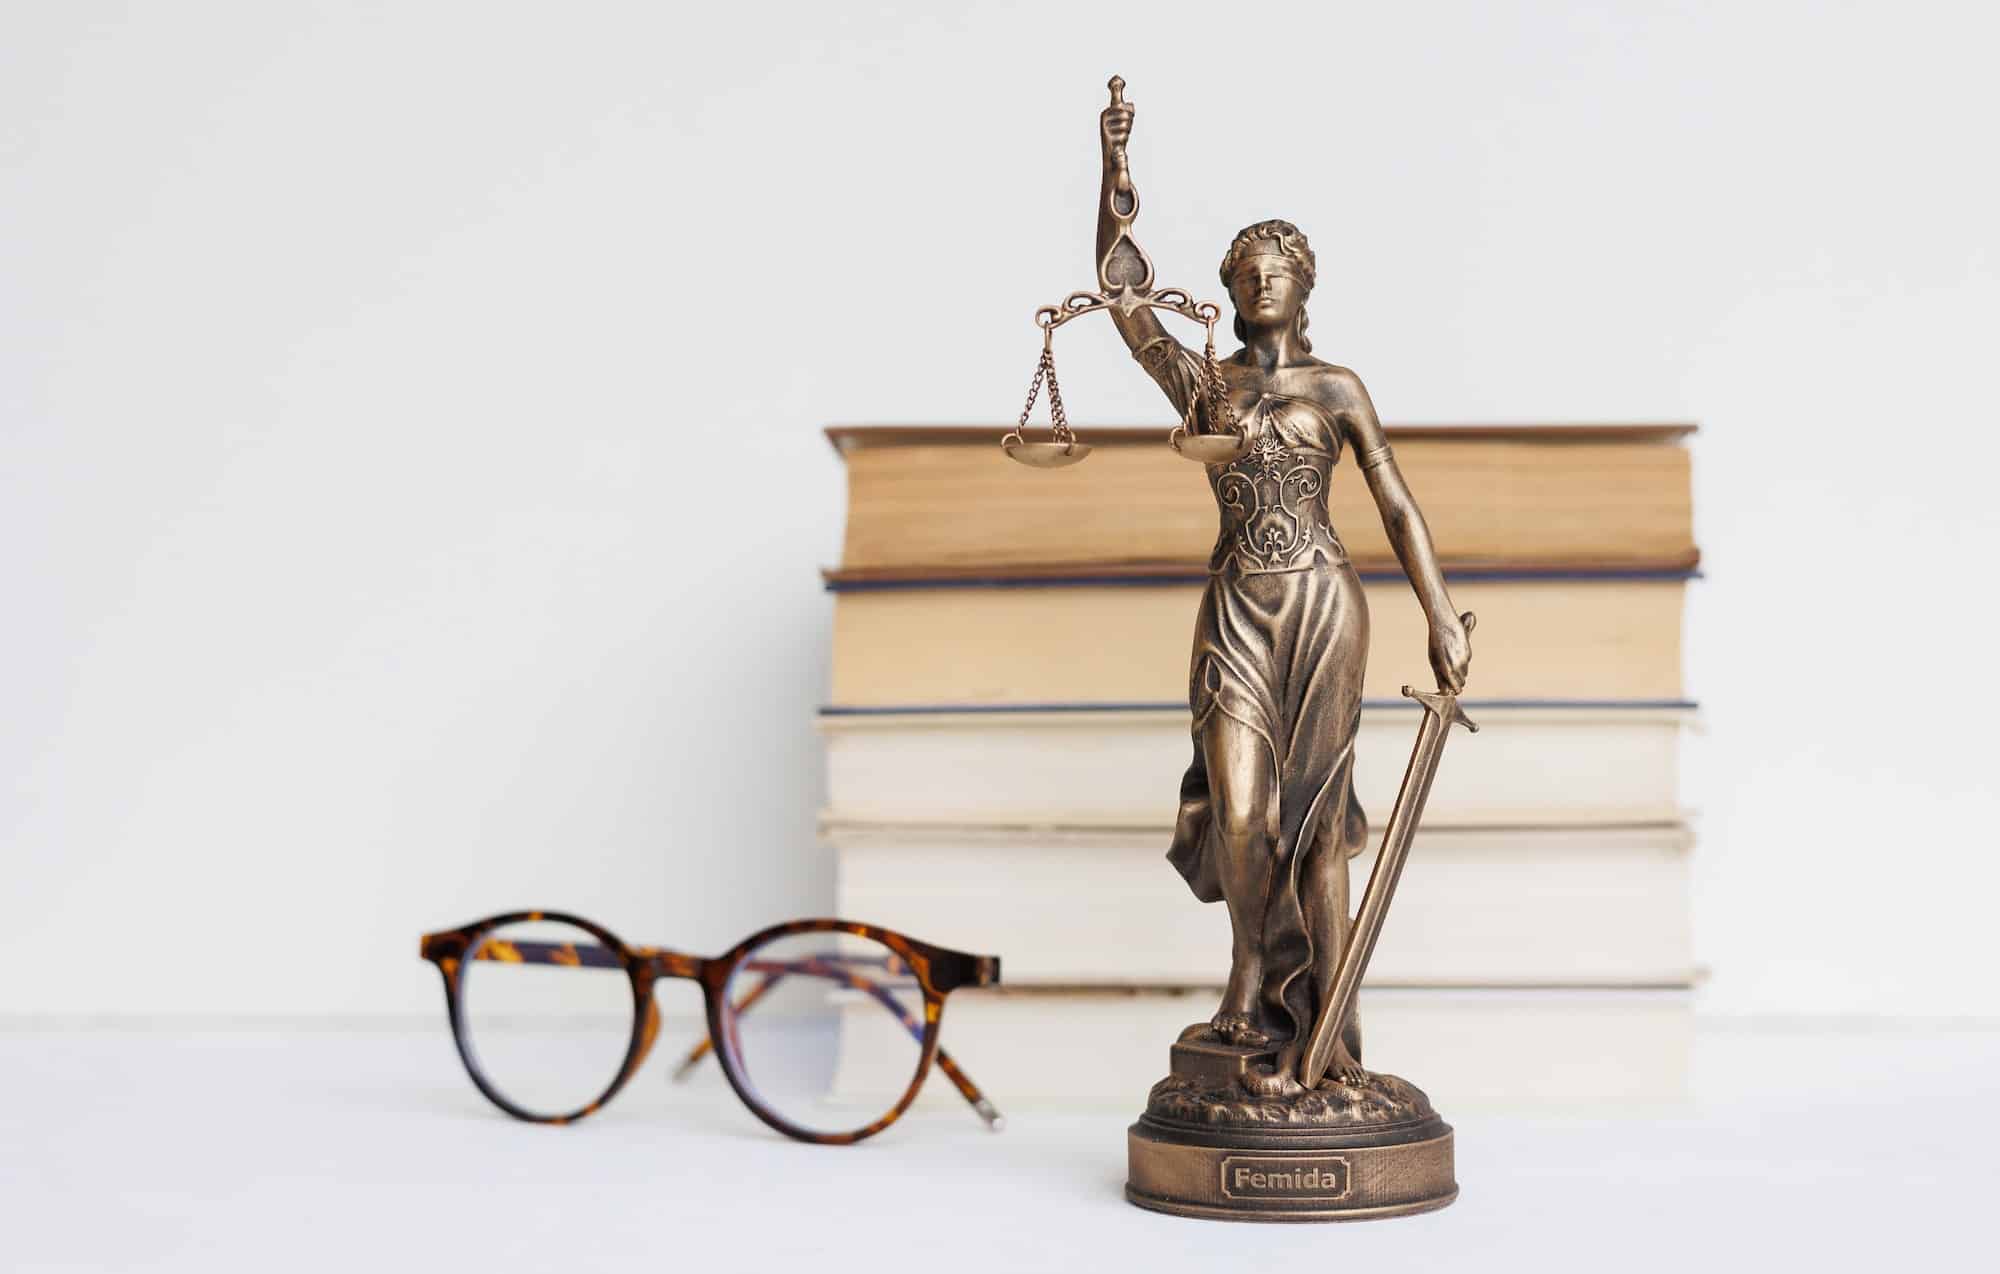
(1441, 713)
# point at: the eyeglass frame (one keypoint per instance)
(938, 970)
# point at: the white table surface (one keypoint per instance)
(1802, 1147)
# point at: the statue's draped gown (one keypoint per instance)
(1279, 646)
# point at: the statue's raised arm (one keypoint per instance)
(1124, 273)
(1121, 267)
(1208, 432)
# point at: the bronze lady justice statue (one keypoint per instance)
(1268, 1113)
(1268, 817)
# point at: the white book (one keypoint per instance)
(1552, 906)
(1541, 765)
(1468, 1049)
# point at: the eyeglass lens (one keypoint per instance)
(547, 1011)
(827, 1029)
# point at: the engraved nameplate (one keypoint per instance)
(1284, 1177)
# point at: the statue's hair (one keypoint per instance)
(1291, 244)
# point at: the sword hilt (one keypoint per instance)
(1444, 704)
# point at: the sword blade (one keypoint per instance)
(1441, 712)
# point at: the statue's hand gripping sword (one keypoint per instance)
(1441, 713)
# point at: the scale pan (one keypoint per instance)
(1047, 455)
(1210, 448)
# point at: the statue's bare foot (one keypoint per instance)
(1343, 1071)
(1238, 1011)
(1237, 1028)
(1271, 1081)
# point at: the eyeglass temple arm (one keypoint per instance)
(776, 971)
(707, 1043)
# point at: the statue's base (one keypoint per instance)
(1209, 1147)
(1239, 1176)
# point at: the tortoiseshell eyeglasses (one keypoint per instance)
(843, 1033)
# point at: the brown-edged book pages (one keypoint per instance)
(1555, 639)
(930, 500)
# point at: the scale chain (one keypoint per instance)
(1214, 390)
(1045, 369)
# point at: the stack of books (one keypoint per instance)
(1008, 726)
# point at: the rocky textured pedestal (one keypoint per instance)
(1210, 1146)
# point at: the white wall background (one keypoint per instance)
(411, 488)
